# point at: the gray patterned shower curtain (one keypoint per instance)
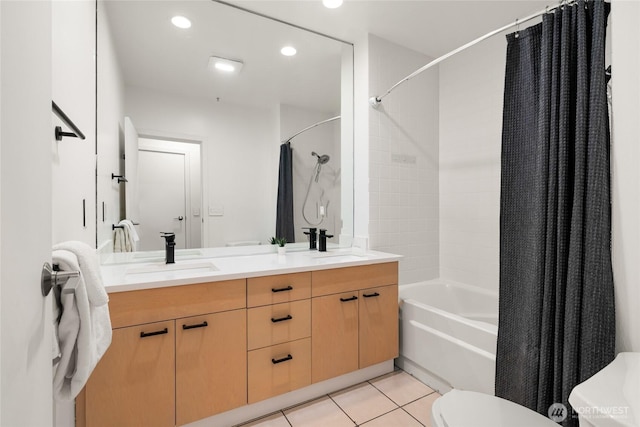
(284, 209)
(556, 320)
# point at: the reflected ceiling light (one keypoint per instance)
(181, 22)
(288, 51)
(225, 65)
(332, 4)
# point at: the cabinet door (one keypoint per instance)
(334, 332)
(279, 369)
(134, 382)
(378, 325)
(211, 364)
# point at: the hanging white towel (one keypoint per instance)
(84, 329)
(130, 234)
(119, 240)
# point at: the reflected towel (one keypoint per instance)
(84, 326)
(130, 235)
(119, 240)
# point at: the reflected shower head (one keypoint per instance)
(321, 159)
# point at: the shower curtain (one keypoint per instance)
(556, 319)
(284, 213)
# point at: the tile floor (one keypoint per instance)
(393, 400)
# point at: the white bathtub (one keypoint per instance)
(448, 334)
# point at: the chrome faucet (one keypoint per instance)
(169, 246)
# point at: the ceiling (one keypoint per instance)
(154, 54)
(427, 26)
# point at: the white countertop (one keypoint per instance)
(147, 275)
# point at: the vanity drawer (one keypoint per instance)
(279, 369)
(277, 289)
(279, 323)
(349, 279)
(152, 305)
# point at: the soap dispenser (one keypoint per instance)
(313, 236)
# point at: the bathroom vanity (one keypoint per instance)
(190, 344)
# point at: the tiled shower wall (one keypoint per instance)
(471, 89)
(403, 160)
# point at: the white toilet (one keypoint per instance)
(611, 398)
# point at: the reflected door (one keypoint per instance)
(162, 192)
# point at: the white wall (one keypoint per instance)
(73, 70)
(240, 158)
(323, 139)
(625, 57)
(471, 88)
(110, 132)
(403, 163)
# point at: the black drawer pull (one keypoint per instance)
(288, 288)
(375, 294)
(282, 319)
(284, 359)
(150, 334)
(353, 298)
(199, 325)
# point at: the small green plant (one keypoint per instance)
(280, 241)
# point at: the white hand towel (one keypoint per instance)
(84, 330)
(119, 244)
(90, 269)
(133, 234)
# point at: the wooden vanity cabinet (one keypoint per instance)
(189, 366)
(355, 318)
(211, 367)
(279, 334)
(184, 353)
(133, 385)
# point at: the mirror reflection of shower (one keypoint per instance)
(321, 203)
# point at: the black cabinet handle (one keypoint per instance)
(353, 298)
(199, 325)
(288, 288)
(375, 294)
(284, 359)
(282, 319)
(150, 334)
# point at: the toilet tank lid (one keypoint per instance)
(612, 396)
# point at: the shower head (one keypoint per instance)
(321, 159)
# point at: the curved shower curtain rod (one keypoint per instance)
(375, 101)
(311, 127)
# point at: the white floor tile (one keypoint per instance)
(401, 387)
(322, 412)
(363, 402)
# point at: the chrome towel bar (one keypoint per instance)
(52, 277)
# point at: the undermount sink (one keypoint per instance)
(330, 257)
(330, 254)
(161, 267)
(180, 253)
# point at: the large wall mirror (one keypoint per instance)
(199, 143)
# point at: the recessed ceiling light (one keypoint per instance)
(225, 65)
(288, 51)
(181, 22)
(332, 4)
